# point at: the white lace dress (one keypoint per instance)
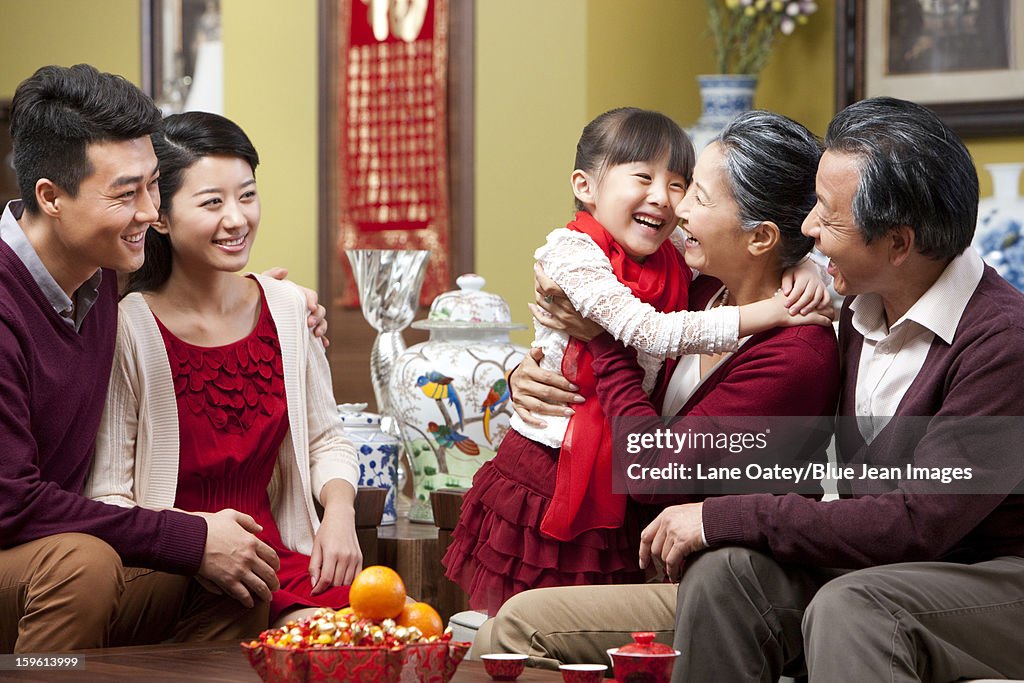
(584, 273)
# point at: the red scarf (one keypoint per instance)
(583, 497)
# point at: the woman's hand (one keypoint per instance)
(803, 285)
(539, 391)
(317, 320)
(554, 310)
(336, 557)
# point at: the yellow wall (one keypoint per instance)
(270, 89)
(530, 109)
(40, 32)
(799, 79)
(543, 70)
(641, 54)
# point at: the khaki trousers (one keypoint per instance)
(70, 591)
(741, 616)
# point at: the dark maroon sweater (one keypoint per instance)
(979, 374)
(53, 385)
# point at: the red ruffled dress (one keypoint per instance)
(232, 419)
(498, 549)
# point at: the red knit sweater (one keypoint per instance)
(53, 385)
(790, 371)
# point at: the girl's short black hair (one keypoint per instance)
(628, 134)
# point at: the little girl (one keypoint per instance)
(219, 396)
(542, 513)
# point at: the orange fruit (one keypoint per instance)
(422, 616)
(377, 593)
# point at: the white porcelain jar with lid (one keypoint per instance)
(450, 394)
(377, 452)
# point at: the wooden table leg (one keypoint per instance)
(447, 504)
(369, 510)
(411, 549)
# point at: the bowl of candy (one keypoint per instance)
(358, 644)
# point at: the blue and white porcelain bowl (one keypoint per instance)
(377, 451)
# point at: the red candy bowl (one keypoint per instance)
(431, 662)
(582, 673)
(643, 660)
(504, 667)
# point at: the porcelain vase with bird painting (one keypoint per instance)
(449, 393)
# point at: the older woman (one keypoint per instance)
(752, 188)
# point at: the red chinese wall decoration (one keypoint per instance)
(392, 146)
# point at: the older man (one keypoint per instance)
(912, 581)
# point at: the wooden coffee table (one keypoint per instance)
(192, 663)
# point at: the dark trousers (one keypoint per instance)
(742, 616)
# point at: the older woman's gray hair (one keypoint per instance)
(771, 162)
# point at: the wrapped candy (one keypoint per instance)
(331, 646)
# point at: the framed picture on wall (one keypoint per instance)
(962, 58)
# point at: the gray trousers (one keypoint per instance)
(741, 616)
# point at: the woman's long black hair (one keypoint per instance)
(182, 140)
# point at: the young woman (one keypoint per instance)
(219, 396)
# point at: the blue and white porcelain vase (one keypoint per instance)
(377, 452)
(999, 236)
(723, 96)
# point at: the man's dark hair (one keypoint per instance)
(914, 171)
(58, 111)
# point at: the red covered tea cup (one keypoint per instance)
(643, 660)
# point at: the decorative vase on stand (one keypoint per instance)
(999, 236)
(389, 283)
(723, 96)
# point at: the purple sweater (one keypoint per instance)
(979, 374)
(53, 385)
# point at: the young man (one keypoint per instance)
(76, 573)
(911, 581)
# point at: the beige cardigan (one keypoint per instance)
(136, 460)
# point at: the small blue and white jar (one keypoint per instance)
(377, 451)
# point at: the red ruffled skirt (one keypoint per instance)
(498, 549)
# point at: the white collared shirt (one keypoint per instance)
(72, 310)
(891, 358)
